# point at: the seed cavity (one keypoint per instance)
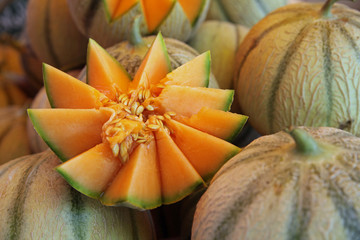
(137, 106)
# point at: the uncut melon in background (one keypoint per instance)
(302, 185)
(144, 133)
(299, 67)
(108, 21)
(13, 137)
(53, 35)
(36, 202)
(244, 12)
(222, 39)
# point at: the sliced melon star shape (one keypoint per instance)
(154, 12)
(139, 142)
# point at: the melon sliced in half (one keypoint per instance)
(206, 157)
(154, 67)
(155, 12)
(130, 150)
(224, 125)
(69, 132)
(91, 171)
(195, 73)
(187, 101)
(104, 72)
(65, 91)
(178, 176)
(138, 182)
(116, 8)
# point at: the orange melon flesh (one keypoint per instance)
(155, 12)
(130, 127)
(206, 157)
(178, 176)
(104, 72)
(224, 125)
(91, 171)
(187, 101)
(137, 183)
(154, 66)
(69, 132)
(192, 8)
(194, 73)
(65, 91)
(116, 8)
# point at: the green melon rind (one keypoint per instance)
(230, 99)
(201, 9)
(207, 68)
(106, 52)
(46, 139)
(47, 87)
(185, 192)
(207, 178)
(165, 51)
(77, 186)
(132, 202)
(238, 129)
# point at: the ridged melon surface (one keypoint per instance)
(35, 201)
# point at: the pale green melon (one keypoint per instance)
(304, 186)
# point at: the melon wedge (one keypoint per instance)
(69, 132)
(206, 157)
(91, 171)
(195, 73)
(192, 8)
(154, 67)
(65, 91)
(178, 176)
(224, 125)
(156, 12)
(187, 101)
(117, 8)
(104, 72)
(137, 184)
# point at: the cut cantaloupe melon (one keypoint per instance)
(65, 91)
(154, 67)
(131, 150)
(117, 8)
(175, 170)
(224, 125)
(192, 8)
(206, 157)
(104, 72)
(138, 182)
(58, 126)
(187, 101)
(156, 12)
(193, 74)
(91, 171)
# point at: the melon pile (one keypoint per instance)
(128, 119)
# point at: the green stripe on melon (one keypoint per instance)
(37, 202)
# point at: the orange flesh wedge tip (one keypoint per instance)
(131, 144)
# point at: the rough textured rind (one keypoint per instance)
(303, 67)
(270, 191)
(245, 12)
(35, 201)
